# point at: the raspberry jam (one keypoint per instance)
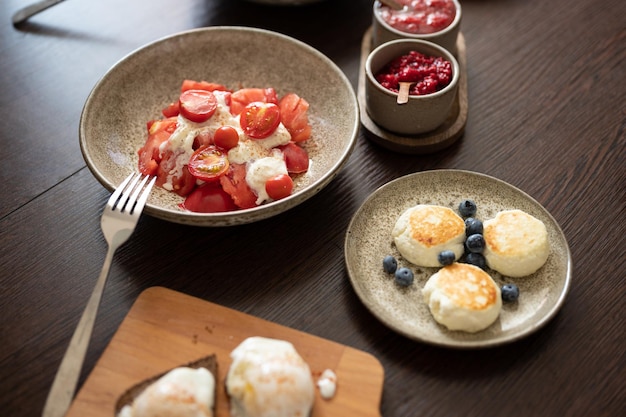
(420, 16)
(429, 74)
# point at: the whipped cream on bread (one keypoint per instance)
(268, 378)
(182, 392)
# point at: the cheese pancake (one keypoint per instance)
(516, 243)
(463, 297)
(423, 231)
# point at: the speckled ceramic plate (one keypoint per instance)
(133, 91)
(368, 240)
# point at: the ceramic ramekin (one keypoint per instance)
(422, 113)
(382, 32)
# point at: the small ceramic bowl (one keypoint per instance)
(383, 32)
(421, 113)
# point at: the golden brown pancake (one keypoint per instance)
(423, 231)
(463, 297)
(516, 243)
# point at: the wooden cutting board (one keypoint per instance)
(165, 329)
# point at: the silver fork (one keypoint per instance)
(118, 222)
(29, 11)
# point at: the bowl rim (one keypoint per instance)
(453, 26)
(226, 218)
(420, 42)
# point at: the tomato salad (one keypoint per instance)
(226, 150)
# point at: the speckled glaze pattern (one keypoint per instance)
(113, 122)
(368, 240)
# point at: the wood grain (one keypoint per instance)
(546, 114)
(165, 329)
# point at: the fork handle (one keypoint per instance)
(64, 385)
(29, 11)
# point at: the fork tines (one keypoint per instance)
(126, 196)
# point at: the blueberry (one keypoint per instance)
(446, 257)
(475, 243)
(473, 226)
(476, 259)
(467, 208)
(510, 293)
(390, 264)
(404, 276)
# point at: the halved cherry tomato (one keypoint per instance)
(234, 183)
(209, 198)
(259, 120)
(293, 114)
(226, 137)
(279, 186)
(241, 98)
(208, 163)
(197, 105)
(201, 85)
(296, 158)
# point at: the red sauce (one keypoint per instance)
(420, 16)
(430, 74)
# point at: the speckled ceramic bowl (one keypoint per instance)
(422, 113)
(369, 240)
(113, 121)
(382, 32)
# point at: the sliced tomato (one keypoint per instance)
(166, 125)
(241, 98)
(208, 163)
(226, 137)
(234, 183)
(203, 138)
(182, 184)
(259, 120)
(296, 158)
(149, 154)
(201, 85)
(171, 110)
(278, 187)
(209, 198)
(197, 105)
(293, 114)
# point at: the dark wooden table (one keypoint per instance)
(547, 114)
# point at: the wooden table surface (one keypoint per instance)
(547, 114)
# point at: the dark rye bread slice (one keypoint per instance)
(208, 362)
